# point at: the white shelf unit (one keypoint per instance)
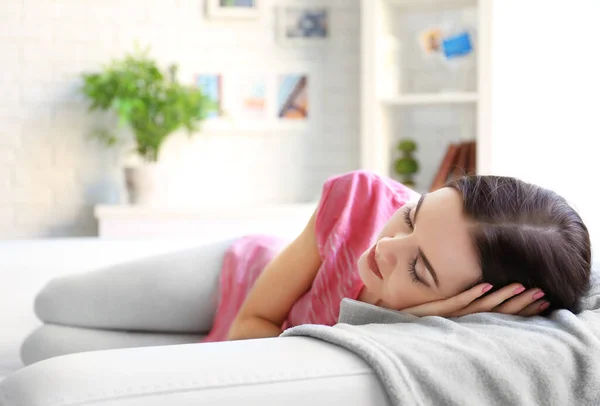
(407, 93)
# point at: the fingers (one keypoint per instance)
(511, 299)
(519, 302)
(462, 300)
(486, 304)
(450, 306)
(535, 308)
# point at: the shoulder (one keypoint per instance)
(362, 183)
(357, 200)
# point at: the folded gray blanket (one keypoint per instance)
(480, 359)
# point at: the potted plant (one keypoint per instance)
(151, 104)
(406, 165)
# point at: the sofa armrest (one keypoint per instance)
(278, 371)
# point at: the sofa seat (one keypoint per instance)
(290, 371)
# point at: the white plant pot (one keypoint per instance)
(143, 184)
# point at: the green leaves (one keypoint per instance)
(152, 103)
(406, 165)
(407, 146)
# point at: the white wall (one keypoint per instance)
(51, 175)
(545, 84)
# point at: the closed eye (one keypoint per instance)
(407, 219)
(422, 256)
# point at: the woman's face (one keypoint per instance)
(423, 253)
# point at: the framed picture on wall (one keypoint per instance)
(253, 96)
(299, 25)
(292, 97)
(233, 9)
(212, 86)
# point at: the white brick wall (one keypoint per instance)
(51, 174)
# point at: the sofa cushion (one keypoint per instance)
(295, 371)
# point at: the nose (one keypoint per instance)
(394, 250)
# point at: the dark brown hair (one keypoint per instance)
(530, 235)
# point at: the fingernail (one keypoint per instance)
(544, 306)
(487, 288)
(519, 290)
(538, 295)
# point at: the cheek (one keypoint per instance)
(401, 292)
(394, 226)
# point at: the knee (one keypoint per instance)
(54, 296)
(44, 302)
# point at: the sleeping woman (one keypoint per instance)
(480, 244)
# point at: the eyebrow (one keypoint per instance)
(421, 254)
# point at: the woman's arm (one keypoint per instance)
(287, 277)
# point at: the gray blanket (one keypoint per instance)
(480, 359)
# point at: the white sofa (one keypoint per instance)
(291, 371)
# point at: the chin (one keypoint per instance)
(361, 266)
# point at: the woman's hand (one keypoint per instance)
(512, 299)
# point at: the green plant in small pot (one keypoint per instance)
(406, 165)
(152, 105)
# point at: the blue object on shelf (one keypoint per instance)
(457, 45)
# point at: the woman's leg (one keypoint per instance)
(51, 340)
(175, 292)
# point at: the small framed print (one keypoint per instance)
(292, 97)
(431, 41)
(299, 25)
(252, 96)
(212, 86)
(233, 9)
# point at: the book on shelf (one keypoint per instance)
(459, 160)
(472, 163)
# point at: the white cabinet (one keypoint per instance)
(409, 93)
(205, 224)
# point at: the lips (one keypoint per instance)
(373, 263)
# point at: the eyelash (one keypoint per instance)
(412, 265)
(412, 270)
(407, 219)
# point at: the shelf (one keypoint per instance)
(428, 4)
(244, 126)
(165, 212)
(431, 98)
(406, 94)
